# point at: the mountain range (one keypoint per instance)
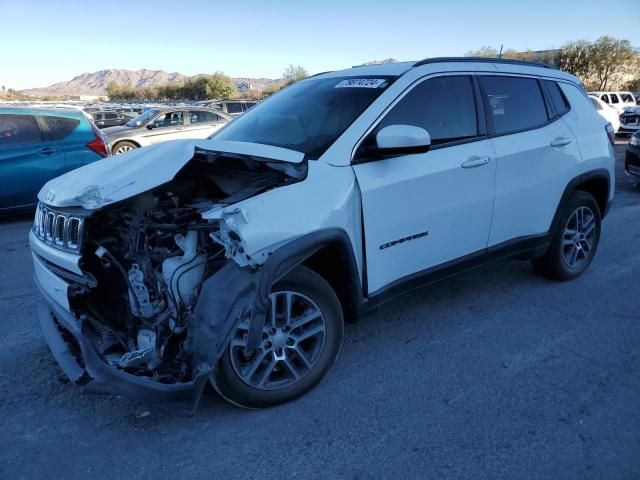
(96, 83)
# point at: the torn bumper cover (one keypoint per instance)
(228, 297)
(82, 363)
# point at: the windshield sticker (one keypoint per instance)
(362, 83)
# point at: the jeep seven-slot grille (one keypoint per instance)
(62, 230)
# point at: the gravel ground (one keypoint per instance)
(495, 374)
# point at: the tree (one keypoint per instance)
(484, 52)
(601, 64)
(293, 74)
(272, 88)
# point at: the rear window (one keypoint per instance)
(515, 103)
(60, 127)
(234, 107)
(19, 129)
(558, 100)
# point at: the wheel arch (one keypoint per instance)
(595, 182)
(120, 140)
(335, 262)
(235, 293)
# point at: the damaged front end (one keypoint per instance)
(131, 319)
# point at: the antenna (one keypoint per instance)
(500, 54)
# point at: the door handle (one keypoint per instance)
(47, 151)
(561, 142)
(474, 162)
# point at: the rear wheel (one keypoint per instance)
(575, 240)
(123, 147)
(300, 342)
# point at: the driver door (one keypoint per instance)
(424, 210)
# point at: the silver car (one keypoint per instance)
(163, 124)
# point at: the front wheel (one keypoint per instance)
(575, 239)
(300, 342)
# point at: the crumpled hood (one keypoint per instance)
(116, 178)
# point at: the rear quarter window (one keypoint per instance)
(627, 98)
(60, 127)
(19, 129)
(514, 103)
(558, 100)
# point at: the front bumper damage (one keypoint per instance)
(228, 297)
(84, 366)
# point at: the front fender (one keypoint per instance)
(235, 294)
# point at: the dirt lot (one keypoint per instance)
(495, 374)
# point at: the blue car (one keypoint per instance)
(38, 144)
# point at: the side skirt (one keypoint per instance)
(523, 248)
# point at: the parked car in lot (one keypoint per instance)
(158, 125)
(237, 260)
(37, 145)
(632, 158)
(618, 100)
(111, 119)
(231, 107)
(607, 112)
(630, 121)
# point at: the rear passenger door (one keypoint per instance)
(27, 160)
(536, 153)
(203, 123)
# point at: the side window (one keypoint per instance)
(19, 129)
(444, 106)
(605, 98)
(202, 117)
(60, 127)
(614, 98)
(627, 98)
(560, 103)
(98, 116)
(234, 107)
(515, 103)
(111, 116)
(169, 119)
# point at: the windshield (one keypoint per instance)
(307, 116)
(141, 119)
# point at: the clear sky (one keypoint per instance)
(45, 41)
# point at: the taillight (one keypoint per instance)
(610, 133)
(98, 145)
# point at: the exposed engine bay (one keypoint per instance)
(149, 256)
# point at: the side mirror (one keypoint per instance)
(402, 140)
(151, 126)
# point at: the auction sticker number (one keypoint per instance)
(361, 83)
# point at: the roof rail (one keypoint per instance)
(509, 61)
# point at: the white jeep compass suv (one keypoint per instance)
(237, 259)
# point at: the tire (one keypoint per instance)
(286, 365)
(123, 147)
(572, 249)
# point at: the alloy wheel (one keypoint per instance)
(123, 148)
(292, 341)
(578, 237)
